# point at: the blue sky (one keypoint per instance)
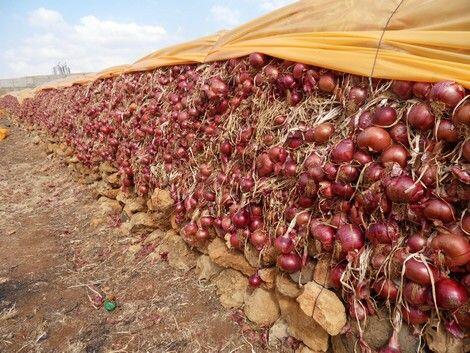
(91, 35)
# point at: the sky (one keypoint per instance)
(91, 35)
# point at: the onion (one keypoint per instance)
(349, 237)
(450, 294)
(365, 120)
(399, 133)
(437, 209)
(259, 239)
(421, 89)
(421, 117)
(417, 271)
(384, 116)
(284, 244)
(272, 73)
(415, 316)
(374, 138)
(324, 234)
(447, 92)
(395, 154)
(455, 248)
(386, 289)
(447, 131)
(264, 165)
(462, 115)
(362, 157)
(373, 172)
(383, 232)
(255, 280)
(327, 83)
(466, 150)
(416, 242)
(358, 96)
(277, 154)
(257, 60)
(403, 189)
(402, 89)
(289, 262)
(343, 151)
(190, 229)
(298, 70)
(347, 173)
(393, 345)
(415, 293)
(323, 132)
(240, 219)
(235, 241)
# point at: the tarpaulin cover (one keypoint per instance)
(417, 40)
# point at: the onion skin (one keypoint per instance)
(450, 294)
(462, 115)
(437, 209)
(415, 294)
(455, 247)
(447, 131)
(399, 133)
(343, 151)
(323, 132)
(350, 237)
(415, 316)
(402, 89)
(374, 138)
(384, 116)
(383, 232)
(395, 154)
(289, 262)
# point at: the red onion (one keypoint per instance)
(255, 280)
(327, 83)
(289, 262)
(383, 232)
(386, 289)
(421, 89)
(462, 115)
(323, 132)
(455, 248)
(324, 234)
(259, 239)
(358, 96)
(374, 138)
(350, 237)
(365, 120)
(395, 154)
(450, 294)
(447, 92)
(284, 244)
(447, 131)
(343, 151)
(416, 242)
(384, 116)
(421, 117)
(403, 189)
(417, 271)
(393, 345)
(402, 89)
(415, 293)
(415, 316)
(437, 209)
(235, 241)
(257, 60)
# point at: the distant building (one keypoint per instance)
(61, 69)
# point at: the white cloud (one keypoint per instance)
(271, 5)
(92, 44)
(223, 14)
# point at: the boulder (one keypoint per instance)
(108, 206)
(206, 269)
(286, 286)
(177, 252)
(104, 189)
(323, 306)
(261, 307)
(160, 200)
(107, 167)
(321, 274)
(251, 255)
(134, 205)
(222, 256)
(277, 333)
(440, 341)
(231, 288)
(141, 223)
(154, 237)
(268, 275)
(305, 274)
(114, 180)
(301, 326)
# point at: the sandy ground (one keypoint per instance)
(52, 262)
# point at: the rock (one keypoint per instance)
(285, 286)
(134, 205)
(224, 257)
(154, 237)
(91, 178)
(206, 269)
(104, 189)
(178, 253)
(160, 200)
(337, 344)
(36, 140)
(301, 326)
(261, 307)
(269, 257)
(125, 197)
(114, 180)
(251, 255)
(73, 159)
(108, 206)
(277, 333)
(321, 274)
(305, 349)
(324, 306)
(133, 249)
(106, 167)
(268, 275)
(440, 341)
(305, 275)
(141, 223)
(231, 287)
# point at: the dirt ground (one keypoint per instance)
(52, 263)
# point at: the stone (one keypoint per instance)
(305, 275)
(104, 189)
(114, 180)
(305, 349)
(206, 269)
(261, 307)
(268, 275)
(108, 206)
(251, 255)
(286, 286)
(277, 333)
(440, 341)
(178, 253)
(134, 205)
(224, 257)
(160, 200)
(301, 326)
(125, 197)
(323, 306)
(231, 288)
(141, 223)
(337, 344)
(154, 237)
(321, 274)
(106, 167)
(36, 140)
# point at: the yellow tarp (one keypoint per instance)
(418, 40)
